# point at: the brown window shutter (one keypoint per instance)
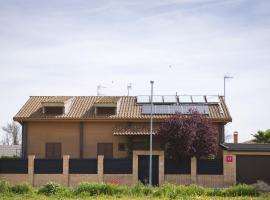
(105, 149)
(109, 150)
(53, 150)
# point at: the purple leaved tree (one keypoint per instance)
(188, 135)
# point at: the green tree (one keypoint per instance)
(262, 136)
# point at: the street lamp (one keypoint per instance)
(226, 77)
(151, 133)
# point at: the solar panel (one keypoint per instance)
(198, 99)
(212, 99)
(157, 99)
(170, 99)
(185, 99)
(172, 109)
(143, 99)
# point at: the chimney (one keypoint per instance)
(235, 137)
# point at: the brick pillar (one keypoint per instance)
(134, 168)
(31, 163)
(100, 168)
(161, 168)
(193, 170)
(229, 168)
(66, 169)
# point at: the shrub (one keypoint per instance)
(10, 157)
(52, 188)
(171, 191)
(241, 190)
(214, 192)
(21, 188)
(4, 187)
(168, 190)
(141, 190)
(195, 190)
(94, 189)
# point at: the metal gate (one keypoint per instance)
(251, 168)
(143, 169)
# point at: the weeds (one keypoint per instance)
(165, 191)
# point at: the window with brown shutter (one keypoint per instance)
(54, 110)
(105, 149)
(106, 110)
(121, 146)
(53, 150)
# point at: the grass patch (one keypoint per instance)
(241, 190)
(22, 189)
(4, 187)
(95, 190)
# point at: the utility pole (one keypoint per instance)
(151, 134)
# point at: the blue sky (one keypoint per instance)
(70, 47)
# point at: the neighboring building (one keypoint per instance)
(86, 126)
(249, 142)
(10, 150)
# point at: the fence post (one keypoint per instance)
(66, 169)
(229, 168)
(100, 168)
(31, 165)
(134, 167)
(161, 168)
(193, 170)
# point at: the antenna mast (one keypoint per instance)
(129, 87)
(99, 87)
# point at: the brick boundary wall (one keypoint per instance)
(228, 178)
(119, 179)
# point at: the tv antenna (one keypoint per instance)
(99, 87)
(129, 87)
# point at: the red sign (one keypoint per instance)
(229, 158)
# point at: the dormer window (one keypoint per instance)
(57, 110)
(105, 110)
(57, 105)
(106, 106)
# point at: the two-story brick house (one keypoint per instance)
(85, 126)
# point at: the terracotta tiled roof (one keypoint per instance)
(107, 99)
(58, 99)
(83, 109)
(134, 130)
